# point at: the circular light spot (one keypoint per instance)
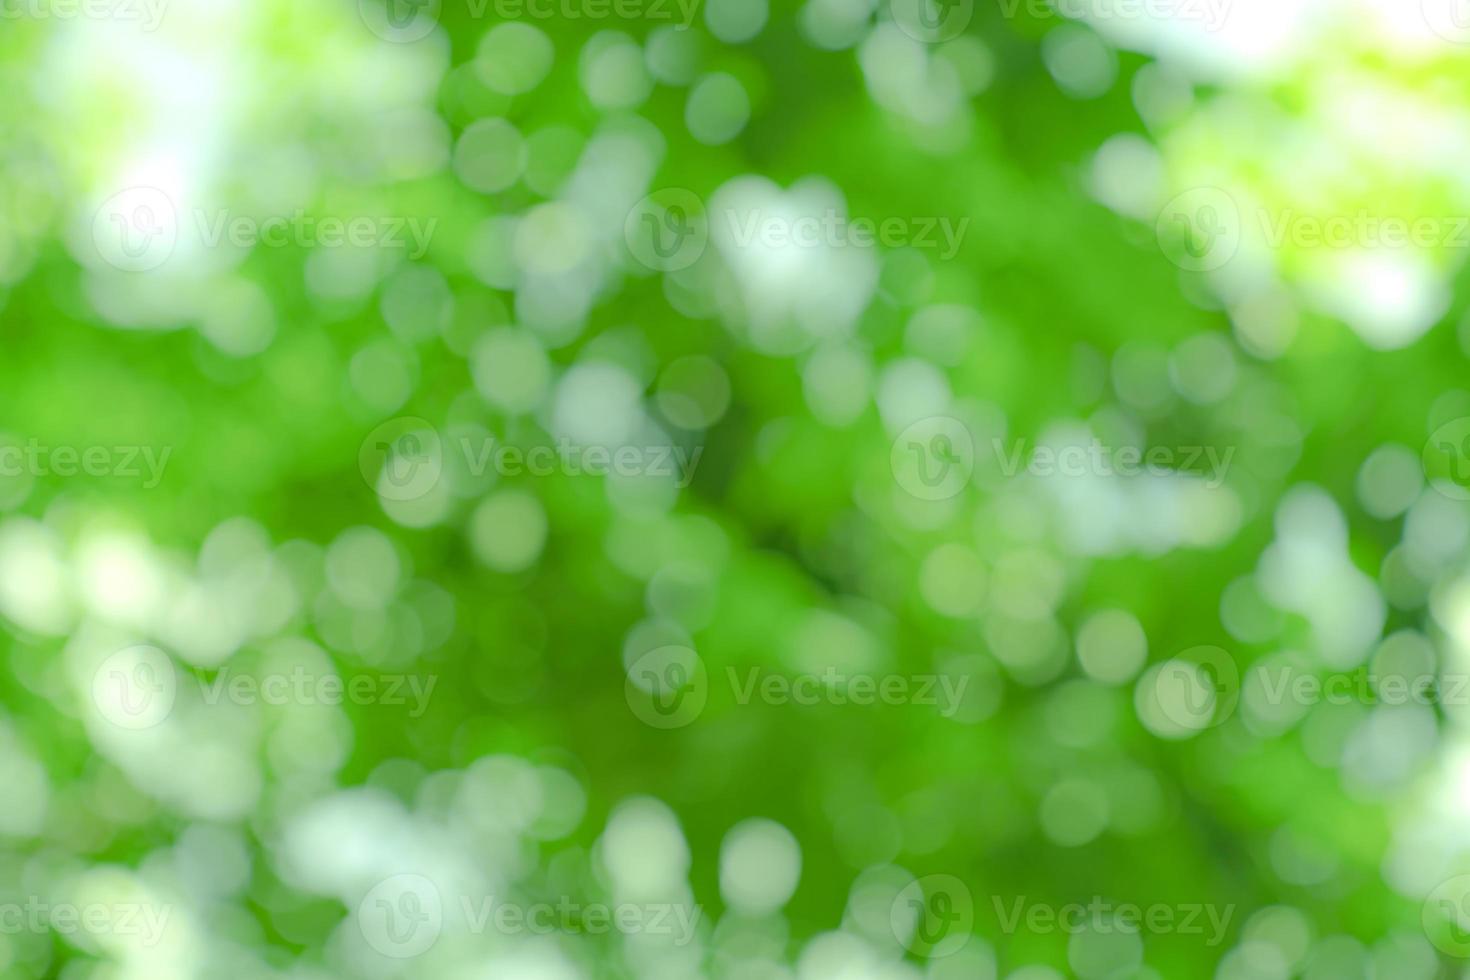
(1083, 65)
(1389, 481)
(510, 369)
(1111, 646)
(417, 304)
(490, 155)
(514, 57)
(735, 21)
(552, 239)
(717, 110)
(672, 54)
(1074, 812)
(760, 865)
(612, 71)
(952, 580)
(362, 568)
(508, 530)
(693, 392)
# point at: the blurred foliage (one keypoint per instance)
(264, 373)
